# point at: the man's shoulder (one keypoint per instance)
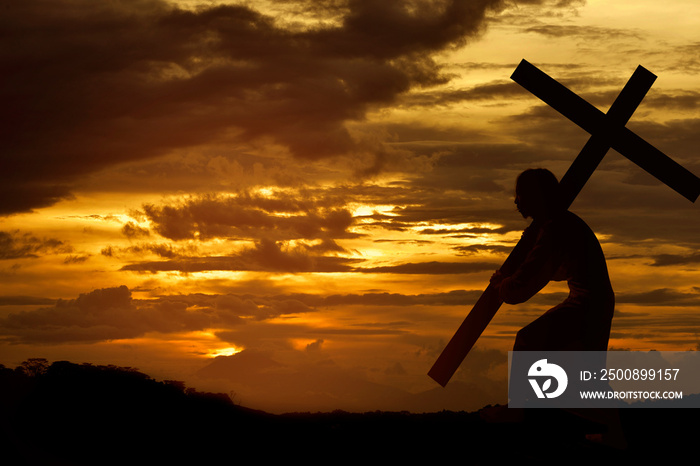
(575, 228)
(566, 223)
(563, 225)
(568, 217)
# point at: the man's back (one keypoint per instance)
(567, 249)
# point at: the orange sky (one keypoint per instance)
(323, 185)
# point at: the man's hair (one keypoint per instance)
(543, 182)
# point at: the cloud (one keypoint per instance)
(297, 232)
(586, 32)
(493, 91)
(17, 245)
(661, 260)
(73, 259)
(433, 267)
(103, 314)
(478, 249)
(167, 250)
(246, 216)
(674, 325)
(676, 100)
(92, 84)
(265, 256)
(131, 230)
(660, 297)
(268, 256)
(456, 298)
(112, 313)
(24, 300)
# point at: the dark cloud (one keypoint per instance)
(100, 315)
(166, 250)
(299, 231)
(433, 267)
(587, 32)
(686, 58)
(673, 100)
(661, 260)
(654, 213)
(452, 298)
(265, 256)
(673, 325)
(478, 249)
(24, 301)
(269, 256)
(87, 85)
(361, 330)
(457, 190)
(494, 91)
(73, 259)
(660, 297)
(466, 211)
(249, 216)
(466, 183)
(112, 313)
(131, 230)
(17, 245)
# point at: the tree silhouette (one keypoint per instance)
(34, 367)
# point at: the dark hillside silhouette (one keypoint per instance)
(86, 414)
(81, 414)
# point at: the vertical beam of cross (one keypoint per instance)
(607, 130)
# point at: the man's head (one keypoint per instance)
(537, 193)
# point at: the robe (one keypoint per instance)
(565, 249)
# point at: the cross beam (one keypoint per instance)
(607, 131)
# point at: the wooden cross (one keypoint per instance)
(607, 131)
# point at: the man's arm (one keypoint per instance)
(533, 273)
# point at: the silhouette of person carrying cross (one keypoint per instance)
(562, 247)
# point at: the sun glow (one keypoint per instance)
(457, 227)
(365, 210)
(228, 351)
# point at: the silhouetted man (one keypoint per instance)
(563, 248)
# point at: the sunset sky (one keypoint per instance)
(317, 192)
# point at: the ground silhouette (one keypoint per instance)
(78, 414)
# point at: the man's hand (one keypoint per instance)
(497, 278)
